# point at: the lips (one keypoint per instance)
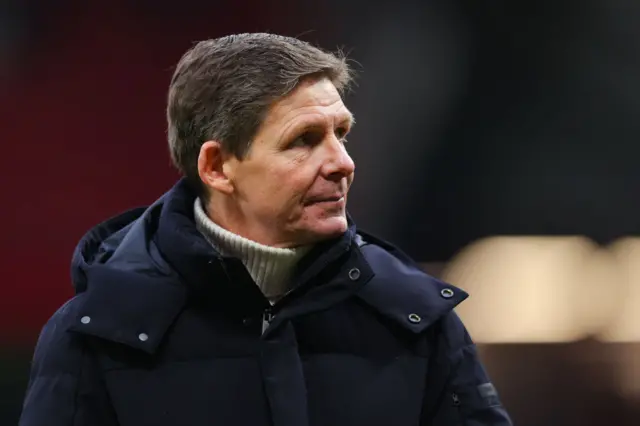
(324, 199)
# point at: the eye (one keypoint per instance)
(341, 133)
(306, 139)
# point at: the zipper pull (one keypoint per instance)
(455, 399)
(267, 317)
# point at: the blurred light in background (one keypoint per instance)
(524, 289)
(548, 289)
(567, 291)
(624, 324)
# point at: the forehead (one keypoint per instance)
(315, 98)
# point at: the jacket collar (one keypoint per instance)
(126, 292)
(401, 291)
(161, 263)
(200, 265)
(387, 280)
(131, 308)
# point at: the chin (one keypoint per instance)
(329, 228)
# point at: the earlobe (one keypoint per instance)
(212, 167)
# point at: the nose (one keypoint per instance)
(339, 163)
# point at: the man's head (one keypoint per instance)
(257, 123)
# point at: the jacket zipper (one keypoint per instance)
(267, 317)
(455, 401)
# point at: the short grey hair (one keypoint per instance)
(222, 89)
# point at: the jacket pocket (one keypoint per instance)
(224, 391)
(349, 390)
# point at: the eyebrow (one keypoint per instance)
(346, 118)
(351, 119)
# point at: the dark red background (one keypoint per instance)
(83, 137)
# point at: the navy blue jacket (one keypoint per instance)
(163, 330)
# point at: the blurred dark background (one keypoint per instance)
(488, 133)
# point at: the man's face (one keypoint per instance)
(291, 187)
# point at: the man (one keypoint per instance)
(245, 296)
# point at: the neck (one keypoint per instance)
(270, 267)
(227, 215)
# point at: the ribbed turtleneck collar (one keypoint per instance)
(270, 267)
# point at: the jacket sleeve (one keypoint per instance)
(65, 386)
(465, 396)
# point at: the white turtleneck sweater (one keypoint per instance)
(270, 267)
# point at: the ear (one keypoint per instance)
(212, 167)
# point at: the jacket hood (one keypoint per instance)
(137, 271)
(123, 241)
(159, 240)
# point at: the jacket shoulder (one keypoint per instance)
(57, 349)
(62, 374)
(453, 335)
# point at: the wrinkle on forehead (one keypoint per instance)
(310, 97)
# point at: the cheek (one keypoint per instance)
(295, 177)
(282, 188)
(281, 183)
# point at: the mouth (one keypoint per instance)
(330, 199)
